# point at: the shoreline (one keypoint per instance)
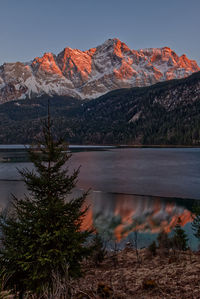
(96, 146)
(158, 146)
(170, 198)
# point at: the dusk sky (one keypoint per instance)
(30, 28)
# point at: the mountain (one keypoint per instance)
(163, 113)
(89, 74)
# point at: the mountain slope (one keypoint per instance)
(89, 74)
(164, 113)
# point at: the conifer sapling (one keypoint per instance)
(42, 233)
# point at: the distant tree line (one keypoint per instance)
(125, 116)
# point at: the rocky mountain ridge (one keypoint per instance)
(89, 74)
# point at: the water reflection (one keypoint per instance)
(117, 216)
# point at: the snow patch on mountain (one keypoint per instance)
(89, 74)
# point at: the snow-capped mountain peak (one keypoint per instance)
(88, 74)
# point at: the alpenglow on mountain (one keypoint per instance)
(89, 74)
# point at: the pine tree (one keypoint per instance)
(196, 222)
(42, 233)
(179, 239)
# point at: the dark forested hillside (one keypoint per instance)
(164, 113)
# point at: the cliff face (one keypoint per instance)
(89, 74)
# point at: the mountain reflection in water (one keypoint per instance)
(117, 216)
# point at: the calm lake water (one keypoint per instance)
(166, 181)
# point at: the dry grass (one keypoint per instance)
(172, 276)
(175, 275)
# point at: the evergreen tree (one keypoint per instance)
(196, 222)
(179, 240)
(99, 249)
(163, 241)
(42, 233)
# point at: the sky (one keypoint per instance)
(28, 28)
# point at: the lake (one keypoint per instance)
(142, 189)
